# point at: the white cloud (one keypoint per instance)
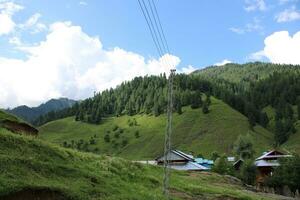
(7, 10)
(288, 15)
(187, 70)
(73, 64)
(252, 5)
(33, 24)
(258, 56)
(223, 62)
(15, 41)
(254, 26)
(83, 3)
(281, 48)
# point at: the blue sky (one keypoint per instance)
(199, 33)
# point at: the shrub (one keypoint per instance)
(92, 141)
(124, 142)
(115, 128)
(222, 166)
(248, 172)
(137, 134)
(107, 138)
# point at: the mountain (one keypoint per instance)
(30, 114)
(193, 132)
(32, 169)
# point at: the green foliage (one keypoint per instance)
(107, 138)
(243, 147)
(288, 173)
(248, 172)
(137, 134)
(222, 166)
(196, 100)
(192, 131)
(205, 109)
(214, 155)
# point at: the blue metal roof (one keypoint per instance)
(204, 161)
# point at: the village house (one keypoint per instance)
(267, 163)
(181, 161)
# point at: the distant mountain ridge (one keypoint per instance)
(30, 114)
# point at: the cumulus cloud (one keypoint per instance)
(73, 64)
(281, 47)
(7, 10)
(288, 15)
(253, 5)
(223, 62)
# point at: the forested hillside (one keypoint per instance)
(255, 86)
(141, 136)
(31, 114)
(248, 88)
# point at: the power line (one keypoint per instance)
(159, 39)
(150, 26)
(162, 30)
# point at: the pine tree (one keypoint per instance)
(298, 109)
(179, 107)
(196, 100)
(263, 119)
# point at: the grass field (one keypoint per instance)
(53, 172)
(193, 132)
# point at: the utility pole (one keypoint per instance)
(168, 135)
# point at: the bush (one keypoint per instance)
(214, 155)
(115, 128)
(92, 141)
(137, 134)
(248, 172)
(124, 142)
(107, 138)
(222, 166)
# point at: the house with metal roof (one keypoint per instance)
(205, 162)
(267, 163)
(181, 161)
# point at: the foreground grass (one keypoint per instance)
(193, 132)
(29, 163)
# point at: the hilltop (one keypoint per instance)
(30, 114)
(245, 73)
(193, 132)
(34, 169)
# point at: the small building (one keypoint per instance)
(267, 163)
(205, 162)
(181, 161)
(238, 164)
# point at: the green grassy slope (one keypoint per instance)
(193, 131)
(29, 164)
(6, 116)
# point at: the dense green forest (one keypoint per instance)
(247, 88)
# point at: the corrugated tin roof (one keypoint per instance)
(189, 166)
(268, 155)
(264, 163)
